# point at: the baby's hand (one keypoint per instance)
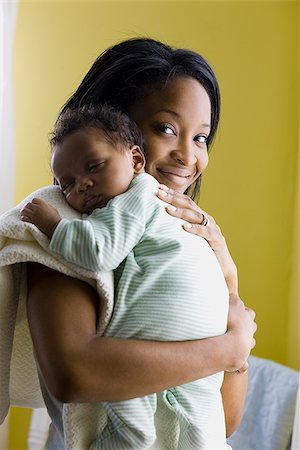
(44, 216)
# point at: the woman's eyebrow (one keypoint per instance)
(169, 111)
(176, 114)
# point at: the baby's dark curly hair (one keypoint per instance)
(117, 127)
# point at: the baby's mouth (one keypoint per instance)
(94, 201)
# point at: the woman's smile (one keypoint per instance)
(175, 175)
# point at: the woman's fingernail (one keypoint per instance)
(171, 208)
(163, 187)
(163, 193)
(187, 226)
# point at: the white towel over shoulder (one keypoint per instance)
(21, 242)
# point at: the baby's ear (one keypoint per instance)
(138, 159)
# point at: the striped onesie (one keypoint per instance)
(168, 287)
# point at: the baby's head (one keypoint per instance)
(96, 153)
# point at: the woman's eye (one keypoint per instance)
(166, 129)
(201, 139)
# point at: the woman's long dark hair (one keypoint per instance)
(123, 72)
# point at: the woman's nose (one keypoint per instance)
(185, 153)
(84, 183)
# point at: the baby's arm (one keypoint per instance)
(44, 216)
(101, 241)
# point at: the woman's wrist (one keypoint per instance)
(232, 280)
(244, 368)
(234, 354)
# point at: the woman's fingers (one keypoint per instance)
(183, 207)
(190, 215)
(176, 198)
(200, 223)
(242, 325)
(252, 315)
(251, 312)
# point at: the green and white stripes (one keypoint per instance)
(168, 286)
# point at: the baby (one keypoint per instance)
(168, 283)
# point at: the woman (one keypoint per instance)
(78, 365)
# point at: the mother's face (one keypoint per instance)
(175, 123)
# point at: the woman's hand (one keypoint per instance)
(184, 207)
(241, 327)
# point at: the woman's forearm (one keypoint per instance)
(80, 366)
(234, 391)
(134, 368)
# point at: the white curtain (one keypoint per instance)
(8, 15)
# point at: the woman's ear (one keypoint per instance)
(138, 159)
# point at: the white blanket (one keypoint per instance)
(21, 242)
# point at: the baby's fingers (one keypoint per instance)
(28, 211)
(39, 202)
(29, 208)
(25, 217)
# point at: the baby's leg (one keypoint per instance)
(130, 425)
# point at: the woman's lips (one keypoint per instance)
(176, 176)
(176, 171)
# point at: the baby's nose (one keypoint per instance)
(84, 183)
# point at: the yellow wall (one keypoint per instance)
(294, 312)
(250, 184)
(19, 421)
